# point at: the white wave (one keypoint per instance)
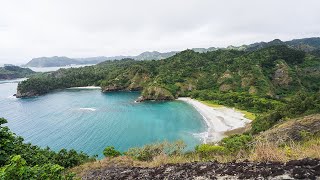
(87, 109)
(12, 97)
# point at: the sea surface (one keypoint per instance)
(88, 120)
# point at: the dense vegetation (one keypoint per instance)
(13, 72)
(19, 160)
(272, 73)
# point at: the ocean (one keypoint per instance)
(88, 120)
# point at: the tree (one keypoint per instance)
(110, 151)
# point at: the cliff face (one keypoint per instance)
(155, 93)
(26, 94)
(112, 88)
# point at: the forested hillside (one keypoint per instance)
(273, 72)
(13, 72)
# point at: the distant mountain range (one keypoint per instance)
(307, 44)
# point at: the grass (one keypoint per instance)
(213, 104)
(260, 152)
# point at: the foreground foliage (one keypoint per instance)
(19, 160)
(111, 152)
(150, 151)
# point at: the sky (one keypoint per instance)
(88, 28)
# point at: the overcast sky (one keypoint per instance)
(85, 28)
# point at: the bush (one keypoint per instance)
(236, 142)
(207, 150)
(111, 152)
(18, 169)
(148, 152)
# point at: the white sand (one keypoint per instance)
(218, 120)
(86, 87)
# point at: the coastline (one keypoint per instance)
(219, 120)
(86, 87)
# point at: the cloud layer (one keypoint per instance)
(83, 28)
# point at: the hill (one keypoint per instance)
(13, 72)
(274, 72)
(51, 62)
(57, 61)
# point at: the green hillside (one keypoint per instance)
(273, 72)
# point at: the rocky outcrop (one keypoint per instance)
(20, 94)
(281, 75)
(296, 169)
(112, 88)
(155, 93)
(225, 87)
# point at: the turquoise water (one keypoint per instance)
(89, 120)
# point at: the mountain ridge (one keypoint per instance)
(305, 44)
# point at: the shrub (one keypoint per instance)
(236, 142)
(111, 152)
(207, 150)
(148, 152)
(18, 169)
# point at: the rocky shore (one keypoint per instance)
(295, 169)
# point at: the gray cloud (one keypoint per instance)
(82, 28)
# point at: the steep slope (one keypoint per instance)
(293, 130)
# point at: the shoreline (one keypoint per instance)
(218, 120)
(86, 87)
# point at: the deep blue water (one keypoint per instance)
(89, 120)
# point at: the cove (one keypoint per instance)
(88, 120)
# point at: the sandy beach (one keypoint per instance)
(219, 120)
(86, 87)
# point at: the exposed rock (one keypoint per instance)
(26, 94)
(296, 169)
(225, 87)
(281, 75)
(245, 82)
(111, 88)
(226, 75)
(252, 90)
(155, 93)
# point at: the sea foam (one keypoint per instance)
(87, 109)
